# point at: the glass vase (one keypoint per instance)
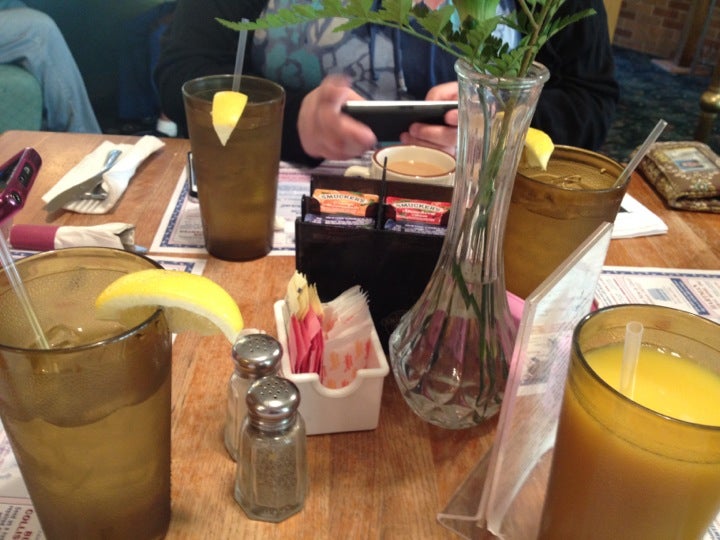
(450, 351)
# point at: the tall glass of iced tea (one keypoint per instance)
(89, 418)
(237, 181)
(552, 212)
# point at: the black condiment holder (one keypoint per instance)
(392, 266)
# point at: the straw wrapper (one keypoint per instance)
(48, 237)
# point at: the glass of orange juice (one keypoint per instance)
(89, 418)
(647, 464)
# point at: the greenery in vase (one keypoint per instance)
(472, 40)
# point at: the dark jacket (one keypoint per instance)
(576, 106)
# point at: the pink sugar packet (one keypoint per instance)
(305, 334)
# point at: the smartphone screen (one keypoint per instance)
(388, 119)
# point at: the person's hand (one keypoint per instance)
(325, 131)
(443, 137)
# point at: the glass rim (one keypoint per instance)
(588, 153)
(229, 77)
(537, 74)
(115, 338)
(616, 393)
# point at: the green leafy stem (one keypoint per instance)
(472, 40)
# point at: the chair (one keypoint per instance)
(20, 99)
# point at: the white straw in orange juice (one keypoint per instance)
(631, 353)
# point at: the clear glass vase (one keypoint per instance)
(450, 351)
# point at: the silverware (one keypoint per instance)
(78, 190)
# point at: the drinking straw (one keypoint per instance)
(14, 278)
(383, 196)
(631, 352)
(239, 59)
(654, 134)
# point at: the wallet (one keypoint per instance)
(685, 174)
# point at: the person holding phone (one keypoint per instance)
(321, 70)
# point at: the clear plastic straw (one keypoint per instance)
(14, 278)
(631, 352)
(635, 161)
(239, 59)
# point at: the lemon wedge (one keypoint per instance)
(190, 302)
(538, 149)
(227, 108)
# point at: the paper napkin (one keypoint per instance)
(47, 237)
(115, 181)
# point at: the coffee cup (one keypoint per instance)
(409, 163)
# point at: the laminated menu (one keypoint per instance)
(685, 174)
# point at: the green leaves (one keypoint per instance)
(472, 41)
(479, 10)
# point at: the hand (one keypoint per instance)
(325, 131)
(443, 137)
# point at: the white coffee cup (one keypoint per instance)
(409, 163)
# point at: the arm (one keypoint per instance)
(577, 104)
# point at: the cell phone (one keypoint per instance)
(17, 176)
(388, 119)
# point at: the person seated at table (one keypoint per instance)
(32, 40)
(576, 105)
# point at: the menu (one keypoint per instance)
(696, 291)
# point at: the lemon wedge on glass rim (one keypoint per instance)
(227, 108)
(190, 302)
(538, 149)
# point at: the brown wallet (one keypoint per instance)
(685, 174)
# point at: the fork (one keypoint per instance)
(98, 193)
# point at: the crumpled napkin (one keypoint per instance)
(115, 181)
(48, 237)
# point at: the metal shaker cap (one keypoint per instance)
(256, 355)
(272, 402)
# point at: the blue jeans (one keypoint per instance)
(32, 40)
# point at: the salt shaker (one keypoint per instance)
(254, 355)
(271, 480)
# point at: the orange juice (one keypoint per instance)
(625, 471)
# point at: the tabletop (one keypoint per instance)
(385, 483)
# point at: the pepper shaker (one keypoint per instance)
(271, 479)
(254, 355)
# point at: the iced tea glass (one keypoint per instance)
(89, 418)
(552, 212)
(237, 183)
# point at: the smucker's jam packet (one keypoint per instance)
(415, 228)
(348, 203)
(416, 215)
(343, 221)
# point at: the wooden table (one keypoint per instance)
(386, 483)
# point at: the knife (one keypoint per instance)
(73, 193)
